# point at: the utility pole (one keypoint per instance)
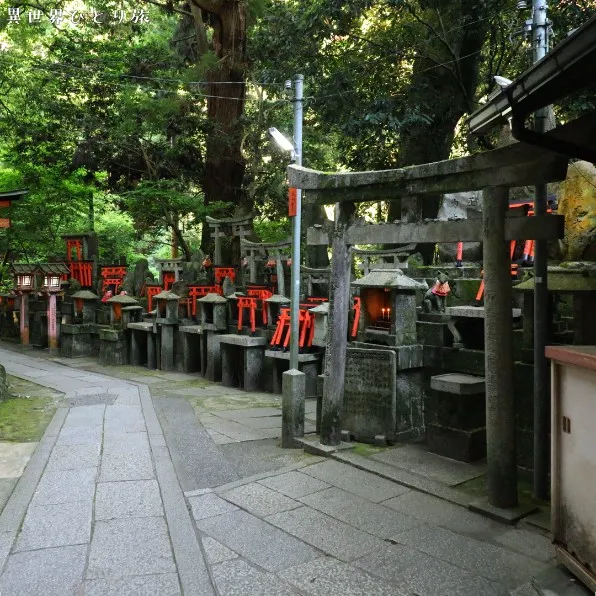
(296, 225)
(540, 28)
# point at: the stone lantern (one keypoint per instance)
(388, 316)
(321, 313)
(167, 319)
(167, 307)
(24, 276)
(213, 311)
(117, 303)
(76, 339)
(52, 275)
(274, 306)
(85, 304)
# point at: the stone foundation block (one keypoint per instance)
(462, 445)
(292, 413)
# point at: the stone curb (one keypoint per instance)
(405, 478)
(192, 568)
(16, 507)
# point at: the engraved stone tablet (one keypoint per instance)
(370, 393)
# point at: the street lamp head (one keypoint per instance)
(502, 81)
(282, 142)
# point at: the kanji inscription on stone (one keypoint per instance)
(370, 394)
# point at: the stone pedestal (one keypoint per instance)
(191, 338)
(292, 422)
(309, 364)
(142, 342)
(113, 349)
(457, 413)
(211, 356)
(76, 341)
(167, 360)
(410, 394)
(242, 361)
(433, 329)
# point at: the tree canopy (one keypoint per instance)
(139, 119)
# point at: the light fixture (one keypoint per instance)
(52, 282)
(281, 141)
(502, 81)
(25, 282)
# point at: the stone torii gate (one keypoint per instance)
(494, 172)
(234, 227)
(254, 250)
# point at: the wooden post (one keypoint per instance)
(500, 403)
(24, 319)
(52, 323)
(339, 309)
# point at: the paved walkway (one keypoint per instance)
(100, 509)
(99, 504)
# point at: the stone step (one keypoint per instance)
(458, 384)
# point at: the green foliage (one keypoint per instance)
(115, 122)
(272, 230)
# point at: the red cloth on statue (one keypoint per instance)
(440, 289)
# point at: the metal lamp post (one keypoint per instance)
(295, 212)
(296, 226)
(293, 381)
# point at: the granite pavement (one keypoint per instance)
(136, 489)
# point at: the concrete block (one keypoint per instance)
(324, 577)
(326, 533)
(458, 383)
(212, 356)
(209, 505)
(417, 573)
(257, 540)
(380, 441)
(238, 577)
(309, 364)
(433, 334)
(345, 436)
(465, 412)
(165, 584)
(216, 552)
(294, 484)
(47, 526)
(259, 500)
(50, 571)
(167, 348)
(113, 347)
(137, 498)
(65, 486)
(293, 397)
(134, 546)
(359, 512)
(74, 457)
(462, 445)
(134, 464)
(492, 562)
(355, 481)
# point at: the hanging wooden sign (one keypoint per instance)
(292, 198)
